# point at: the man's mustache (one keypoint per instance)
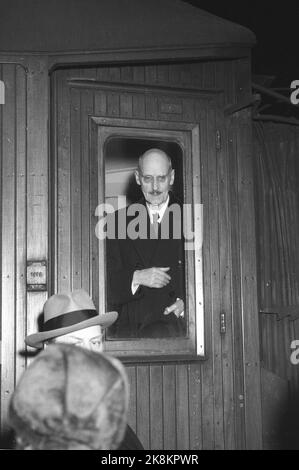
(155, 193)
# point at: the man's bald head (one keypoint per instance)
(154, 155)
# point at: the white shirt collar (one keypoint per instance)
(152, 210)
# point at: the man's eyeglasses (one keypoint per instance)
(147, 179)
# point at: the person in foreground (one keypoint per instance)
(70, 398)
(71, 318)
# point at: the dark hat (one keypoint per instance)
(67, 312)
(71, 398)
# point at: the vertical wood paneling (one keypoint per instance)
(156, 407)
(225, 280)
(37, 178)
(21, 218)
(207, 392)
(276, 177)
(169, 407)
(184, 75)
(131, 373)
(287, 340)
(163, 74)
(215, 282)
(236, 292)
(226, 79)
(197, 75)
(126, 74)
(150, 74)
(209, 75)
(113, 104)
(248, 289)
(63, 185)
(185, 405)
(114, 74)
(245, 317)
(182, 405)
(75, 190)
(13, 147)
(138, 74)
(8, 240)
(207, 389)
(143, 405)
(94, 201)
(138, 106)
(103, 74)
(53, 188)
(195, 404)
(100, 104)
(87, 108)
(151, 107)
(188, 110)
(126, 105)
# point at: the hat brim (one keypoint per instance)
(36, 340)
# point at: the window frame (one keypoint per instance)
(187, 135)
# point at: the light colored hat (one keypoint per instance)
(68, 312)
(70, 398)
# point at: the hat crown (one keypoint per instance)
(67, 312)
(68, 396)
(60, 304)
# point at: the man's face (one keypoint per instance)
(89, 338)
(155, 178)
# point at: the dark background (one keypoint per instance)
(276, 26)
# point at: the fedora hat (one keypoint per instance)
(70, 398)
(67, 312)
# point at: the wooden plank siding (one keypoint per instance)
(8, 234)
(277, 199)
(208, 404)
(277, 210)
(187, 405)
(37, 178)
(24, 212)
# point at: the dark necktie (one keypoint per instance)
(156, 224)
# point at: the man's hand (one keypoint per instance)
(152, 277)
(177, 308)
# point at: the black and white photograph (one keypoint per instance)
(149, 220)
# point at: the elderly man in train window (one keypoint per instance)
(146, 273)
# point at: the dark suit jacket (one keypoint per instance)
(130, 441)
(141, 315)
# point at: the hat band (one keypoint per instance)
(69, 319)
